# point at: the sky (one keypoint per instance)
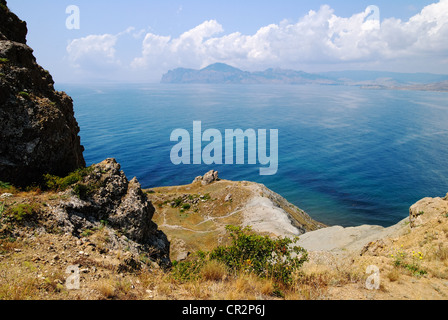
(139, 41)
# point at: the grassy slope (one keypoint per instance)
(34, 258)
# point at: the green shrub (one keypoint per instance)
(177, 202)
(186, 206)
(82, 190)
(4, 60)
(275, 259)
(267, 258)
(24, 94)
(189, 270)
(5, 185)
(55, 183)
(23, 211)
(206, 197)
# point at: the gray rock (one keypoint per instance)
(208, 178)
(122, 206)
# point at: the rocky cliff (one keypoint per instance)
(39, 132)
(40, 142)
(106, 199)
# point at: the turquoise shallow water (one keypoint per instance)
(347, 156)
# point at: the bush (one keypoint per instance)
(55, 183)
(189, 270)
(5, 185)
(177, 202)
(266, 257)
(23, 211)
(275, 259)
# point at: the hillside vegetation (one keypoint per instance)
(210, 259)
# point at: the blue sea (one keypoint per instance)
(347, 156)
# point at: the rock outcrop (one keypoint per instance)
(368, 239)
(109, 200)
(38, 132)
(427, 209)
(207, 178)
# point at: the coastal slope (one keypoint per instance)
(194, 216)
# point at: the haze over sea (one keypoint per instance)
(347, 156)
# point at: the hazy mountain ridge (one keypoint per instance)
(220, 73)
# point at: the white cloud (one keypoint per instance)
(93, 49)
(318, 38)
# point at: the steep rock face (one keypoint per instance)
(119, 205)
(39, 132)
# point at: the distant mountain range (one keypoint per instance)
(220, 73)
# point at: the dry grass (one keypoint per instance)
(214, 271)
(393, 275)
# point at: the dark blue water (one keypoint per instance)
(347, 156)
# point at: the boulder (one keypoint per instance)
(208, 178)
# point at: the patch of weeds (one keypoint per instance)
(23, 211)
(55, 183)
(411, 264)
(74, 179)
(191, 269)
(83, 190)
(24, 95)
(145, 259)
(4, 60)
(206, 197)
(177, 202)
(5, 185)
(87, 233)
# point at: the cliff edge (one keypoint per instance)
(39, 132)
